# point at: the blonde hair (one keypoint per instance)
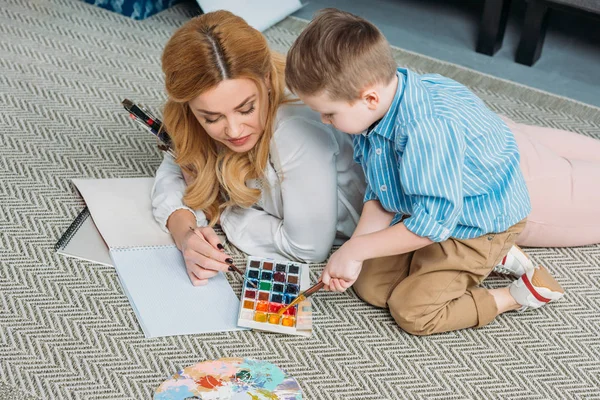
(339, 54)
(202, 53)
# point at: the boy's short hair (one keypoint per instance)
(340, 54)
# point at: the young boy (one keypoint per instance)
(445, 199)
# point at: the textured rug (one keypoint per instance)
(68, 332)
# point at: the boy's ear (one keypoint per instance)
(370, 97)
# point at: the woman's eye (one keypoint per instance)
(211, 121)
(248, 111)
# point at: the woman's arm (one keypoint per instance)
(201, 250)
(306, 152)
(167, 198)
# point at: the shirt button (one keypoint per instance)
(383, 188)
(378, 152)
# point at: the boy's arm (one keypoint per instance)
(431, 174)
(394, 240)
(373, 218)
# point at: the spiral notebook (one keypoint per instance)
(117, 228)
(82, 240)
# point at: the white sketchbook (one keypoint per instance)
(119, 224)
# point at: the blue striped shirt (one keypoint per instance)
(443, 161)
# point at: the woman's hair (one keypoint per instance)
(202, 53)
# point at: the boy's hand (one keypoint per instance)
(342, 269)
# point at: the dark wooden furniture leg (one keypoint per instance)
(533, 33)
(492, 26)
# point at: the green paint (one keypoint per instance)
(243, 375)
(265, 286)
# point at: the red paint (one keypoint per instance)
(209, 382)
(290, 311)
(274, 307)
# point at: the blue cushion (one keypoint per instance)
(136, 9)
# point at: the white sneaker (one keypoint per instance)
(535, 288)
(515, 263)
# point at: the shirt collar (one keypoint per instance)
(385, 126)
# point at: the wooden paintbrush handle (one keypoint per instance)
(313, 289)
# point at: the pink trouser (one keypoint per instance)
(562, 171)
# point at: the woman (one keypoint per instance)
(231, 124)
(562, 172)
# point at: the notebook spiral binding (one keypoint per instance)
(73, 228)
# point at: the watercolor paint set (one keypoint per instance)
(270, 285)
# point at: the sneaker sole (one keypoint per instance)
(543, 287)
(542, 279)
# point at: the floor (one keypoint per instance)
(447, 30)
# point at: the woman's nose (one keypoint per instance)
(235, 129)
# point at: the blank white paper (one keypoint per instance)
(163, 298)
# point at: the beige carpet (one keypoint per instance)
(68, 332)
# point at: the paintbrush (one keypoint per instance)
(301, 297)
(231, 267)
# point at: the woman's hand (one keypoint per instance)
(203, 254)
(202, 250)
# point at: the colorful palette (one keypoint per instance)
(230, 378)
(269, 286)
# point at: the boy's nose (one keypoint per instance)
(325, 120)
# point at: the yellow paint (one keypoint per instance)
(267, 394)
(274, 319)
(260, 317)
(288, 321)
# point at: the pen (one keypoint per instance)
(142, 115)
(150, 123)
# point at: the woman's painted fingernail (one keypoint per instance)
(220, 246)
(229, 260)
(231, 269)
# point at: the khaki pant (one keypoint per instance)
(436, 289)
